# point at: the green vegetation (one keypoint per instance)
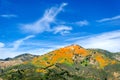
(85, 62)
(69, 63)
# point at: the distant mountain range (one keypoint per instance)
(69, 63)
(4, 63)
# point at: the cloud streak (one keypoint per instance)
(25, 45)
(82, 23)
(2, 44)
(62, 29)
(108, 40)
(43, 24)
(8, 16)
(109, 19)
(14, 47)
(17, 43)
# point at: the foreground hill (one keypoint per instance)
(68, 63)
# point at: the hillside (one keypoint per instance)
(68, 63)
(107, 53)
(4, 63)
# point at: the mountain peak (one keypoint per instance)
(70, 55)
(73, 46)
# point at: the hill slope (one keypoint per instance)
(68, 63)
(4, 63)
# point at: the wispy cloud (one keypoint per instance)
(108, 40)
(109, 19)
(25, 45)
(8, 16)
(19, 42)
(82, 23)
(62, 29)
(2, 44)
(43, 24)
(11, 50)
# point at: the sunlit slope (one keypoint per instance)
(71, 55)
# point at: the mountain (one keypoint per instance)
(4, 63)
(107, 53)
(69, 63)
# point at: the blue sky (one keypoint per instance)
(40, 26)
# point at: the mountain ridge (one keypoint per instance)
(68, 63)
(4, 63)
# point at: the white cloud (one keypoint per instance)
(6, 51)
(82, 23)
(62, 29)
(109, 19)
(17, 43)
(24, 45)
(109, 41)
(2, 44)
(43, 24)
(8, 15)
